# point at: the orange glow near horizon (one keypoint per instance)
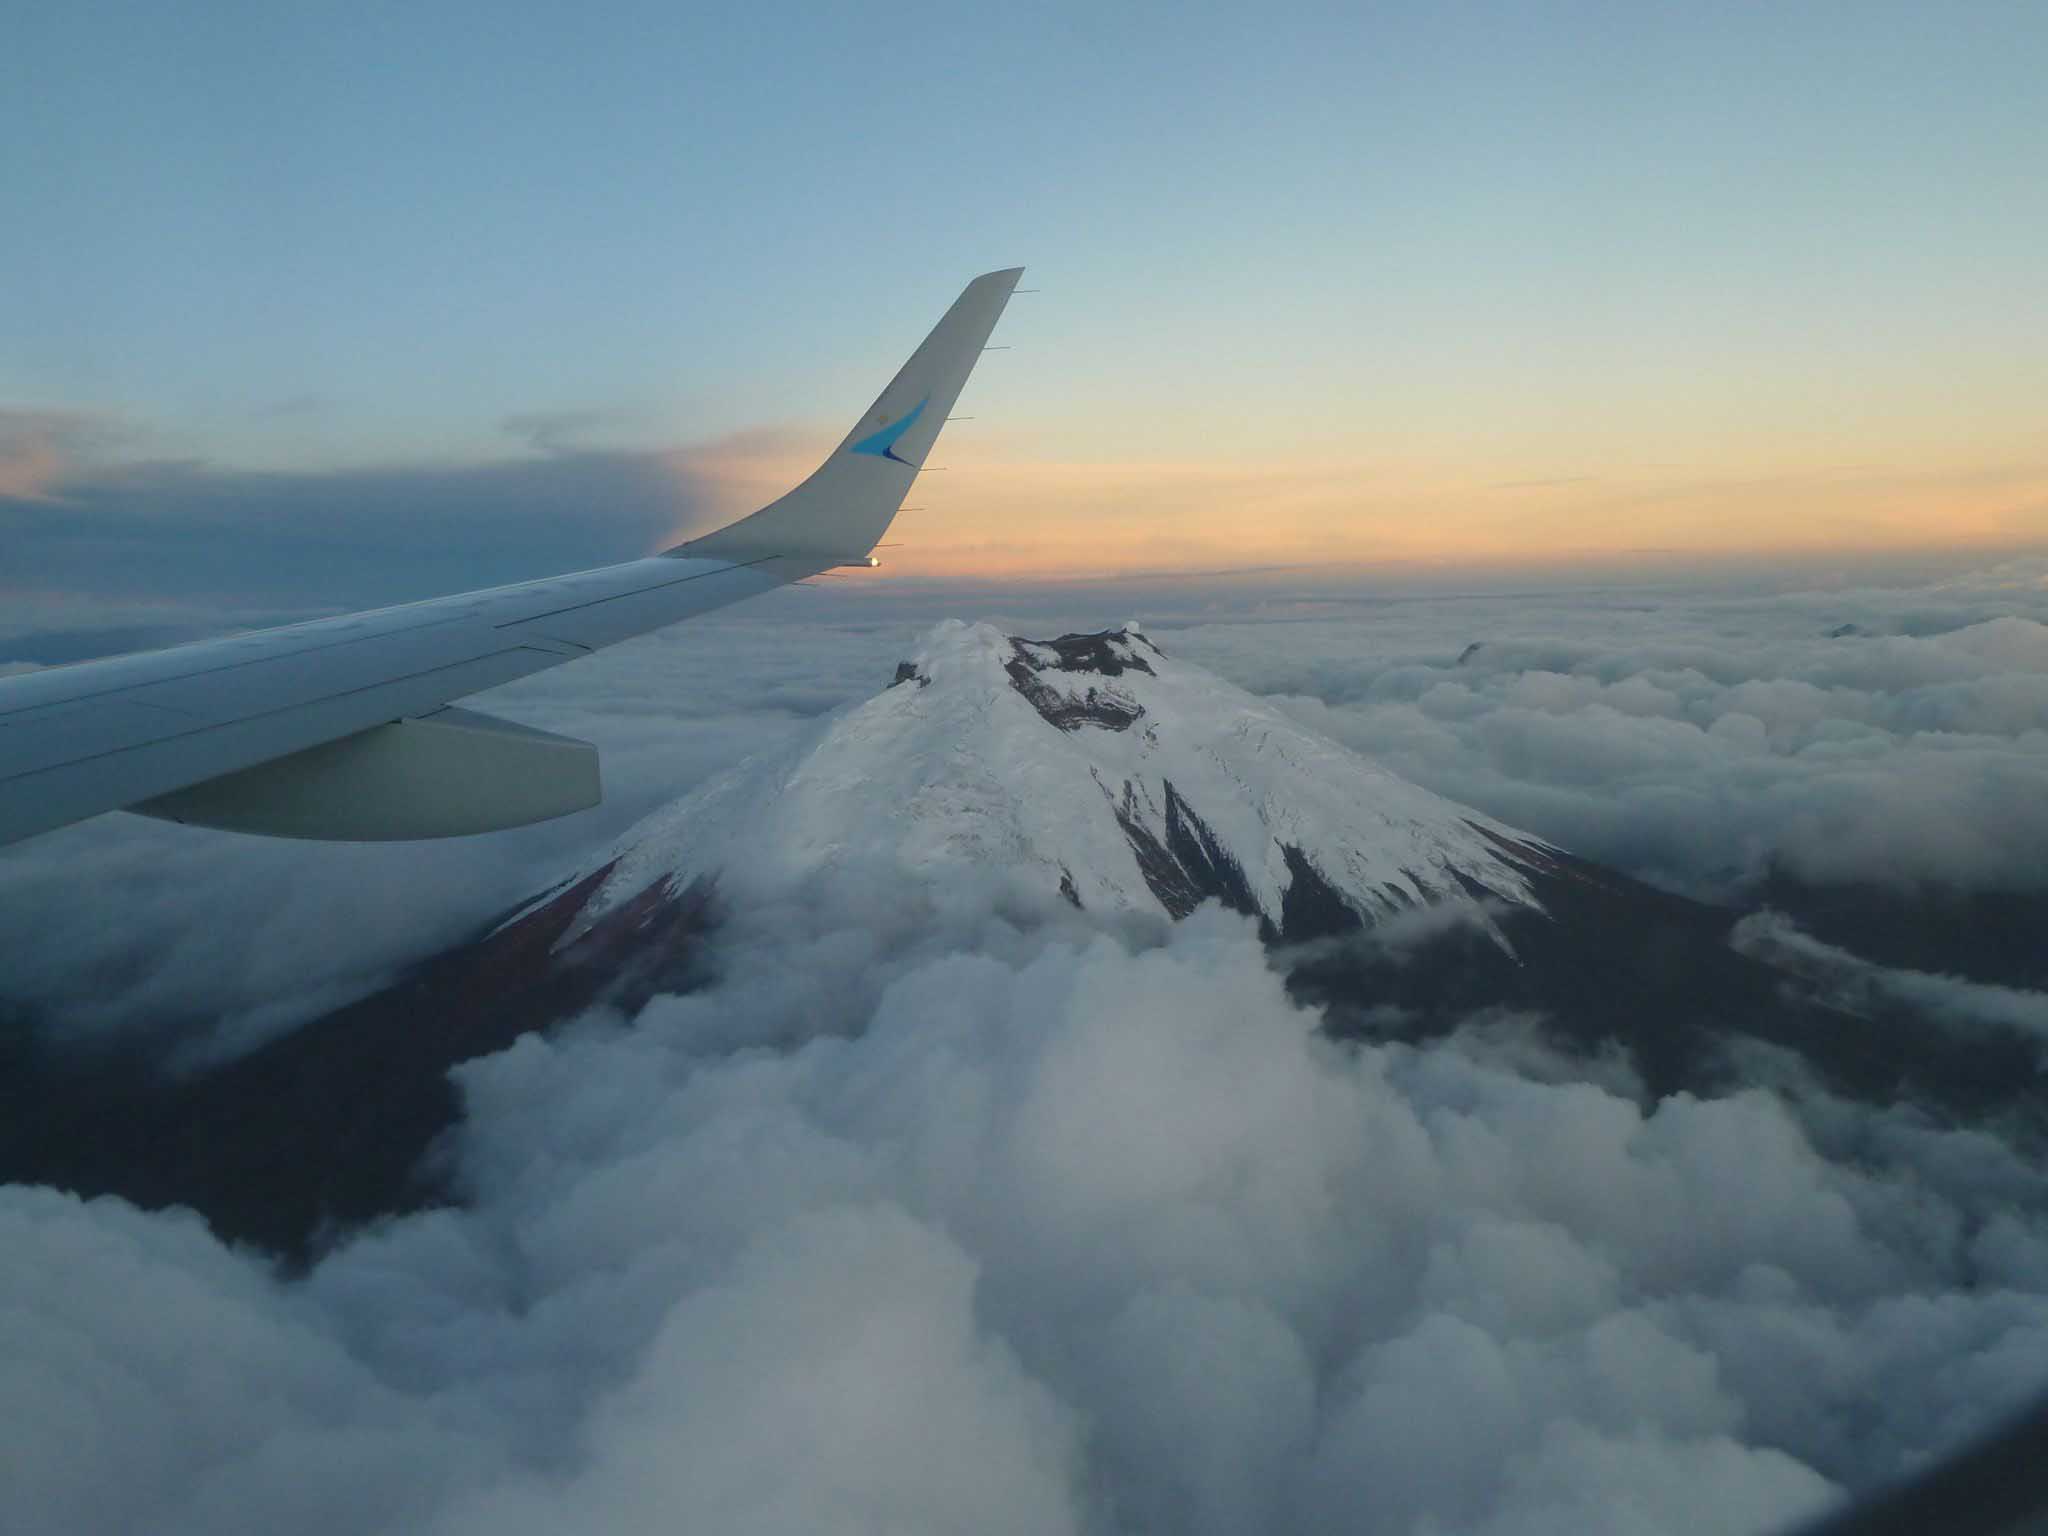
(1014, 518)
(31, 458)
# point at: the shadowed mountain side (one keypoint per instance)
(1994, 937)
(331, 1126)
(1613, 962)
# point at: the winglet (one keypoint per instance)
(847, 504)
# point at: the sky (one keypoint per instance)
(302, 289)
(1688, 360)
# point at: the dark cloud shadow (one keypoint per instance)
(184, 530)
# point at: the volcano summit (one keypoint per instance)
(1097, 768)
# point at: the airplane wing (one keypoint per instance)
(341, 728)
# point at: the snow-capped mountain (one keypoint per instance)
(1095, 766)
(1094, 769)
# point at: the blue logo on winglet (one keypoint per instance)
(882, 444)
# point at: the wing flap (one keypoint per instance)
(447, 774)
(49, 797)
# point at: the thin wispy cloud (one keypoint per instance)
(560, 431)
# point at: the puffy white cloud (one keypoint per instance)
(153, 1380)
(1043, 1229)
(835, 1378)
(1697, 736)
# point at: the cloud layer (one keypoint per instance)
(1896, 735)
(1037, 1231)
(940, 1207)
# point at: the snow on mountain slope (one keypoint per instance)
(1095, 766)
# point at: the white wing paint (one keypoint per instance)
(339, 728)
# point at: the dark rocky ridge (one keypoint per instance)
(1106, 707)
(1095, 652)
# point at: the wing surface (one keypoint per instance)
(188, 732)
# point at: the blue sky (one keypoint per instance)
(1500, 242)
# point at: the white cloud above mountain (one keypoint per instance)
(1883, 735)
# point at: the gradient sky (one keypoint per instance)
(1371, 284)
